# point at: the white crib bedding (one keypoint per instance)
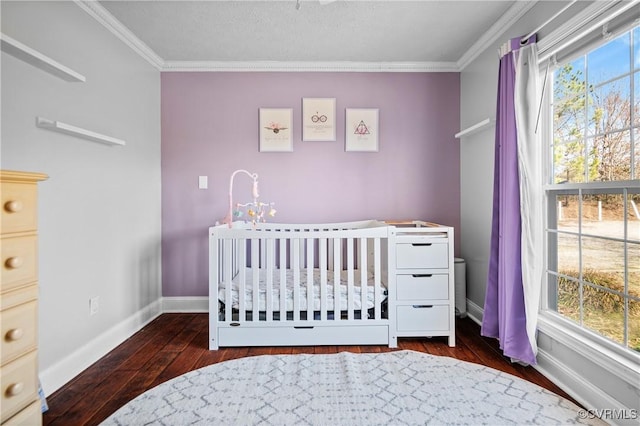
(302, 304)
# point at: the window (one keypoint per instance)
(593, 192)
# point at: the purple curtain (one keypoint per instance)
(504, 311)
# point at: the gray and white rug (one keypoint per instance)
(403, 387)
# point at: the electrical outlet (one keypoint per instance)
(93, 305)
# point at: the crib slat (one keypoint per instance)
(270, 260)
(242, 276)
(283, 279)
(377, 274)
(350, 267)
(255, 276)
(228, 275)
(310, 295)
(295, 265)
(322, 265)
(364, 287)
(336, 278)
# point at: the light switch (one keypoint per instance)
(203, 182)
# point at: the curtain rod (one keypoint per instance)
(545, 23)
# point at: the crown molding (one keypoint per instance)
(509, 18)
(102, 15)
(285, 66)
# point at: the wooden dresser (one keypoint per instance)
(19, 298)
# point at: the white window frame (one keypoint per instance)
(613, 357)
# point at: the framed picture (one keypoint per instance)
(361, 129)
(275, 129)
(319, 119)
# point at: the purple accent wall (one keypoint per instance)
(210, 128)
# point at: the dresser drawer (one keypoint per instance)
(19, 261)
(19, 385)
(422, 255)
(30, 416)
(18, 330)
(19, 207)
(423, 318)
(422, 287)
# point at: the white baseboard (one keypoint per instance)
(475, 312)
(185, 304)
(66, 369)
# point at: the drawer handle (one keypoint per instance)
(301, 327)
(14, 389)
(13, 206)
(421, 244)
(421, 275)
(14, 262)
(422, 306)
(14, 334)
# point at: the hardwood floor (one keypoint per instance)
(174, 344)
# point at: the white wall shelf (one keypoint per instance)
(37, 59)
(68, 129)
(487, 122)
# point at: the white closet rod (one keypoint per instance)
(547, 22)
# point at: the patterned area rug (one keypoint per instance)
(403, 387)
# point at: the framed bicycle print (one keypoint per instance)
(275, 129)
(319, 119)
(361, 129)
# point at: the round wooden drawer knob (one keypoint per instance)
(13, 206)
(14, 389)
(14, 262)
(14, 334)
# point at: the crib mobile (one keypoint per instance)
(255, 211)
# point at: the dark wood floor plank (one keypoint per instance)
(174, 344)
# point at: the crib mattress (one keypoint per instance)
(302, 291)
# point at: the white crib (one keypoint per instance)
(301, 284)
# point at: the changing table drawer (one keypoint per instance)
(428, 254)
(422, 287)
(423, 318)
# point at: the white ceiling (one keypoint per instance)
(429, 33)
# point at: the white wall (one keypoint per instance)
(560, 357)
(100, 208)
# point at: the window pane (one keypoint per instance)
(610, 60)
(568, 212)
(633, 221)
(603, 263)
(609, 107)
(569, 162)
(636, 50)
(568, 299)
(636, 158)
(610, 157)
(568, 80)
(636, 97)
(603, 312)
(568, 255)
(569, 118)
(633, 256)
(603, 215)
